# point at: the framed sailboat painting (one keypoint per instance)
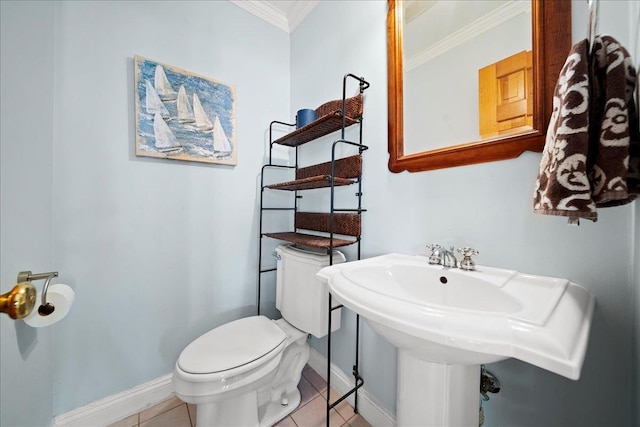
(183, 116)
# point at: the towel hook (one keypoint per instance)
(593, 23)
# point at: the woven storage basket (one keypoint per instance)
(310, 240)
(353, 107)
(343, 223)
(329, 120)
(349, 167)
(320, 181)
(319, 176)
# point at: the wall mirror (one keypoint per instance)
(471, 81)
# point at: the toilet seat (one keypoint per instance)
(246, 372)
(233, 347)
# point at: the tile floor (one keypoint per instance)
(311, 412)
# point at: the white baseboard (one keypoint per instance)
(368, 406)
(122, 405)
(118, 406)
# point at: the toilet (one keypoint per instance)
(245, 373)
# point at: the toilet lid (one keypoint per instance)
(231, 345)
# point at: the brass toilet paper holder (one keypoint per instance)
(19, 302)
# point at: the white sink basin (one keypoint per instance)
(476, 317)
(441, 318)
(421, 282)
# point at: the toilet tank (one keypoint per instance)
(301, 297)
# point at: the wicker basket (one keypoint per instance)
(329, 120)
(310, 240)
(343, 223)
(353, 107)
(349, 167)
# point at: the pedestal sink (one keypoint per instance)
(447, 322)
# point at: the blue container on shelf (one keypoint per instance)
(305, 116)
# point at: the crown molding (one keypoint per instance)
(299, 11)
(264, 11)
(468, 32)
(276, 17)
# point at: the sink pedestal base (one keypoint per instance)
(436, 394)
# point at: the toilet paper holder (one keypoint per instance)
(19, 302)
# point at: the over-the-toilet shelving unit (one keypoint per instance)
(325, 227)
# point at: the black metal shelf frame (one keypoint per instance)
(363, 85)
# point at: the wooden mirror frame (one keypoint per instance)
(551, 27)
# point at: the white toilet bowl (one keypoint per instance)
(244, 373)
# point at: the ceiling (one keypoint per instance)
(283, 14)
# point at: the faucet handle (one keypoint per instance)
(467, 263)
(435, 257)
(466, 251)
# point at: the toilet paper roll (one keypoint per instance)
(61, 297)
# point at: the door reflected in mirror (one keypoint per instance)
(446, 44)
(505, 96)
(471, 81)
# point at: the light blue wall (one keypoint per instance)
(159, 251)
(26, 77)
(486, 206)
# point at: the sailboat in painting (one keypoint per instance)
(163, 88)
(185, 112)
(183, 116)
(203, 122)
(221, 143)
(153, 102)
(166, 141)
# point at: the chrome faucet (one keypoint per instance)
(442, 256)
(449, 260)
(467, 263)
(436, 255)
